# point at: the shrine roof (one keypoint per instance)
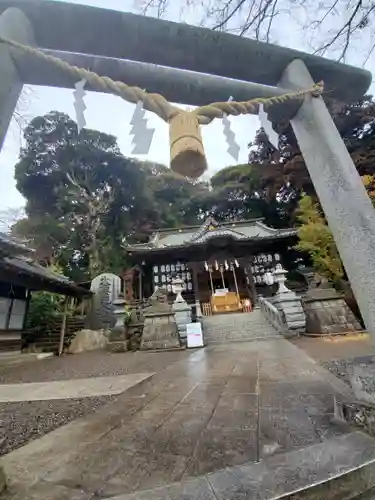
(253, 229)
(18, 267)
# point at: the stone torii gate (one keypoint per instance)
(196, 66)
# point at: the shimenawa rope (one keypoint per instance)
(156, 102)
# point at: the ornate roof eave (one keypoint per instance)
(146, 248)
(217, 233)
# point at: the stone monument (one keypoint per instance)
(160, 329)
(325, 309)
(106, 288)
(108, 310)
(181, 309)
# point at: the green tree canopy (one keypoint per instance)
(78, 188)
(282, 174)
(84, 198)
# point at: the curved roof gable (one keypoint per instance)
(217, 233)
(244, 230)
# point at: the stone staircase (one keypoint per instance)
(237, 327)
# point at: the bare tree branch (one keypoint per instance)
(160, 6)
(20, 113)
(345, 30)
(332, 26)
(229, 15)
(271, 18)
(9, 216)
(316, 24)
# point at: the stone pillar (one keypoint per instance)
(181, 309)
(194, 273)
(198, 309)
(15, 25)
(117, 341)
(128, 278)
(140, 284)
(347, 207)
(253, 291)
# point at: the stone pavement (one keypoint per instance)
(218, 407)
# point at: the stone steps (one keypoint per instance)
(237, 327)
(338, 468)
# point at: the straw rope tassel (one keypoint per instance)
(187, 150)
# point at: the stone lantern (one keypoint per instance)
(279, 276)
(177, 288)
(269, 278)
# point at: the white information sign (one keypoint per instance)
(194, 335)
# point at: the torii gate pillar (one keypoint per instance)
(343, 197)
(14, 25)
(344, 200)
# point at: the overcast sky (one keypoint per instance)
(112, 115)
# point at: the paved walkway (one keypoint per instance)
(218, 407)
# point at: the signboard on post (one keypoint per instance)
(194, 335)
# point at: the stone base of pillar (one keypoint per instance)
(160, 332)
(198, 309)
(328, 313)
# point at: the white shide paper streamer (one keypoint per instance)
(273, 136)
(142, 136)
(233, 147)
(79, 104)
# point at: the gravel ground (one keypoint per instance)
(342, 368)
(22, 422)
(90, 364)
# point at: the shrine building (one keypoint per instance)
(223, 265)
